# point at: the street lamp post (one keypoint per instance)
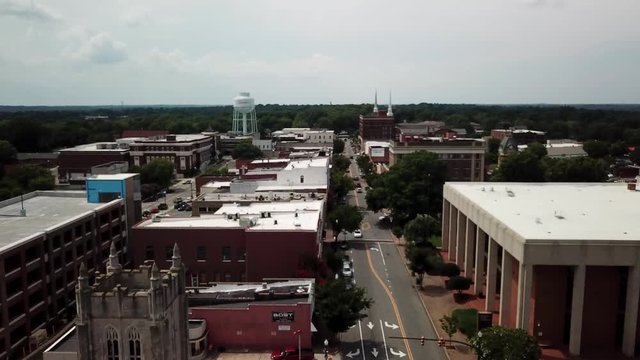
(299, 332)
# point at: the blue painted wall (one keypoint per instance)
(95, 187)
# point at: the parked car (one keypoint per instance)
(187, 182)
(359, 189)
(146, 213)
(155, 210)
(163, 206)
(357, 234)
(178, 205)
(177, 200)
(347, 269)
(292, 353)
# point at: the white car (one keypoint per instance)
(357, 234)
(347, 272)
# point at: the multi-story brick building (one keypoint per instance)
(379, 125)
(76, 163)
(186, 152)
(464, 157)
(239, 242)
(559, 260)
(45, 237)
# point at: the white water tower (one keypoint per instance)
(244, 115)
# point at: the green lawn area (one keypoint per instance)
(467, 321)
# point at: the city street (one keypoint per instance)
(397, 309)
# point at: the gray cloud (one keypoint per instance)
(101, 49)
(27, 10)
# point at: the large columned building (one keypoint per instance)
(560, 260)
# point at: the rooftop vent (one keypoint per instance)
(264, 285)
(156, 219)
(558, 215)
(275, 222)
(510, 193)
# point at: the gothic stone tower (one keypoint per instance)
(133, 314)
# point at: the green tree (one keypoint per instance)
(158, 171)
(24, 179)
(339, 306)
(459, 283)
(338, 146)
(618, 149)
(246, 151)
(635, 155)
(422, 260)
(216, 171)
(419, 230)
(498, 342)
(340, 163)
(450, 325)
(522, 166)
(450, 269)
(537, 149)
(580, 169)
(341, 184)
(7, 152)
(413, 186)
(596, 149)
(345, 217)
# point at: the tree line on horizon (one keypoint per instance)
(43, 131)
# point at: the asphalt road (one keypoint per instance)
(397, 310)
(180, 189)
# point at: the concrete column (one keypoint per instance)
(577, 302)
(460, 238)
(492, 266)
(631, 311)
(505, 288)
(453, 231)
(469, 247)
(478, 275)
(525, 284)
(446, 208)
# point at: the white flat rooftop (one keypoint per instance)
(307, 163)
(559, 211)
(121, 176)
(289, 216)
(179, 137)
(94, 147)
(45, 210)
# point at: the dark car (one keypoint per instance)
(178, 205)
(163, 206)
(291, 353)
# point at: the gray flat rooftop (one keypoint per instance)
(559, 211)
(45, 210)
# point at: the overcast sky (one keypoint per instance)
(84, 52)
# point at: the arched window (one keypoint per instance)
(113, 349)
(135, 348)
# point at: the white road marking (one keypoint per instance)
(381, 253)
(361, 340)
(384, 339)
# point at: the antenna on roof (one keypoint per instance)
(23, 212)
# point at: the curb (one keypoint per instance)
(424, 306)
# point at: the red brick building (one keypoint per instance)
(75, 163)
(256, 316)
(379, 125)
(239, 242)
(187, 152)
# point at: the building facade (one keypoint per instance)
(239, 242)
(76, 163)
(558, 260)
(104, 188)
(256, 316)
(186, 152)
(464, 158)
(45, 239)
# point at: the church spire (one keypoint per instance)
(390, 109)
(176, 260)
(375, 103)
(113, 265)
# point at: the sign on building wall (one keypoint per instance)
(282, 316)
(377, 152)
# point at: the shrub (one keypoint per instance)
(450, 270)
(436, 263)
(397, 231)
(466, 321)
(459, 283)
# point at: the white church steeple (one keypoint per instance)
(390, 109)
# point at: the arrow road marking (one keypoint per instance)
(399, 353)
(370, 325)
(374, 249)
(351, 355)
(374, 352)
(393, 326)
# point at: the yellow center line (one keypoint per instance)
(393, 304)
